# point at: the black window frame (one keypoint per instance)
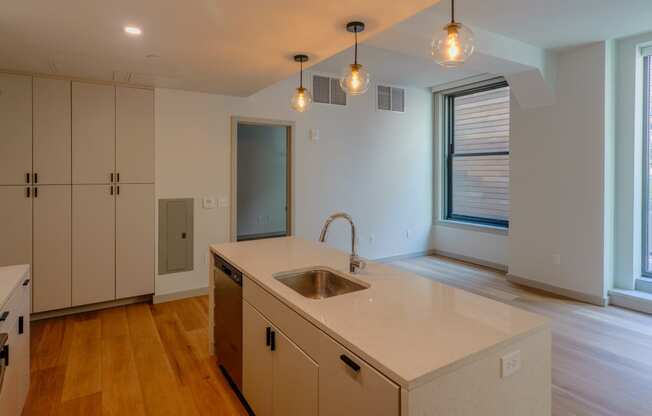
(449, 114)
(647, 67)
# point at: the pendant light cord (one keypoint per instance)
(452, 11)
(355, 59)
(301, 74)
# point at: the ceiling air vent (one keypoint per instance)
(326, 90)
(390, 99)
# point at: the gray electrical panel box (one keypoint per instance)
(175, 235)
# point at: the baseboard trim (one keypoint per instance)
(168, 297)
(631, 299)
(472, 260)
(567, 293)
(89, 308)
(403, 256)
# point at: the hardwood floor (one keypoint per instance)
(153, 359)
(132, 360)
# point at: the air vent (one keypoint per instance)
(327, 90)
(390, 99)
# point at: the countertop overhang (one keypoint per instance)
(10, 277)
(411, 328)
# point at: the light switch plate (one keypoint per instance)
(314, 135)
(510, 363)
(209, 202)
(223, 203)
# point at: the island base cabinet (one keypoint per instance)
(348, 386)
(279, 379)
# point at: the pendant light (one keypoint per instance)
(355, 79)
(453, 44)
(302, 98)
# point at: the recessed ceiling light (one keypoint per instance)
(133, 30)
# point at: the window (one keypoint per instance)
(477, 156)
(327, 91)
(390, 99)
(647, 163)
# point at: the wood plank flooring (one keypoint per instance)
(132, 360)
(154, 360)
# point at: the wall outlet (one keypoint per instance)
(556, 259)
(223, 203)
(510, 364)
(314, 135)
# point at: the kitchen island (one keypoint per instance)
(403, 345)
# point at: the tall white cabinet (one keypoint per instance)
(78, 192)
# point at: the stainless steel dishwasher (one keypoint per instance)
(228, 319)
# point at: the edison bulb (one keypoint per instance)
(301, 100)
(453, 45)
(355, 80)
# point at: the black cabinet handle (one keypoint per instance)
(117, 190)
(35, 177)
(35, 192)
(20, 325)
(26, 282)
(4, 316)
(27, 177)
(354, 366)
(268, 336)
(4, 354)
(111, 190)
(111, 176)
(117, 177)
(28, 192)
(272, 341)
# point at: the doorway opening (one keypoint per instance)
(261, 185)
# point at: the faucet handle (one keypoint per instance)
(356, 264)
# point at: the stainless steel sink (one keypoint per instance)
(319, 283)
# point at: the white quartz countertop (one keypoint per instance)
(10, 277)
(409, 327)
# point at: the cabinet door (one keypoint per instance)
(15, 225)
(134, 135)
(347, 390)
(10, 395)
(51, 131)
(93, 133)
(257, 363)
(15, 129)
(93, 244)
(295, 390)
(134, 259)
(51, 271)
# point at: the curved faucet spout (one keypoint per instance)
(355, 262)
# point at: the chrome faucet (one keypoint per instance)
(355, 262)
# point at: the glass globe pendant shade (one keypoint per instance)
(301, 100)
(355, 80)
(453, 45)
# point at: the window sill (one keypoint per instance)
(644, 284)
(491, 229)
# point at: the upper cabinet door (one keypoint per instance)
(93, 133)
(135, 135)
(15, 225)
(134, 257)
(15, 129)
(51, 131)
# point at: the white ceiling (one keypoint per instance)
(233, 47)
(549, 24)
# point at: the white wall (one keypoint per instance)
(262, 179)
(375, 165)
(558, 179)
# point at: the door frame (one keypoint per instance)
(290, 126)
